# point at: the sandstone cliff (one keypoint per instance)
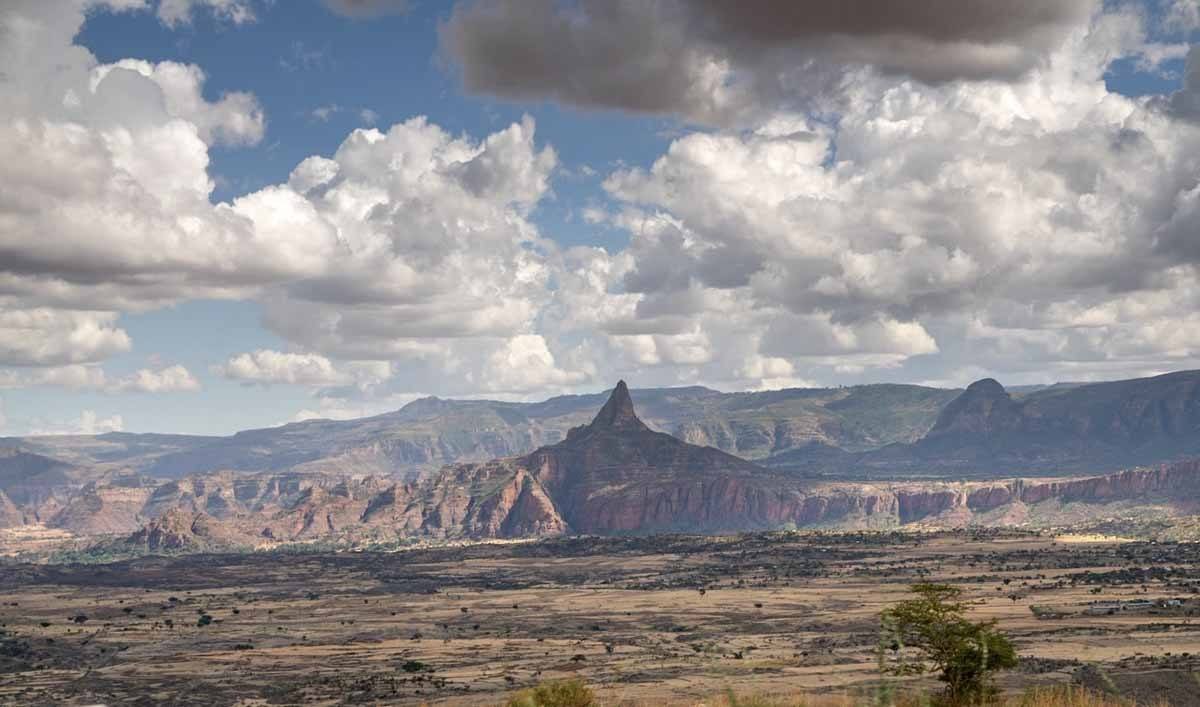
(614, 475)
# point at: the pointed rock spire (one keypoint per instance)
(618, 412)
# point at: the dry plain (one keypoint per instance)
(644, 620)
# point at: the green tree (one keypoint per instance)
(965, 654)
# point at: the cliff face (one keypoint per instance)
(10, 515)
(614, 475)
(618, 476)
(179, 530)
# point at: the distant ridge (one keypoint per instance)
(615, 475)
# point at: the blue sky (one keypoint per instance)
(674, 236)
(298, 58)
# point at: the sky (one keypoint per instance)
(225, 214)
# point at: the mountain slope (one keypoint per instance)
(428, 433)
(615, 475)
(1095, 427)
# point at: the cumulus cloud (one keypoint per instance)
(267, 366)
(48, 337)
(1041, 223)
(713, 60)
(524, 364)
(1185, 103)
(235, 119)
(433, 236)
(1182, 16)
(168, 379)
(970, 197)
(104, 174)
(402, 242)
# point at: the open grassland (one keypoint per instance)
(666, 620)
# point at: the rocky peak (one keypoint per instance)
(986, 388)
(618, 412)
(985, 408)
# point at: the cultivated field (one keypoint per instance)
(644, 620)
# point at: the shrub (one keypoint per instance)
(559, 693)
(965, 654)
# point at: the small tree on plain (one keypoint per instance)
(965, 654)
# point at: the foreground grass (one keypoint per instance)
(575, 693)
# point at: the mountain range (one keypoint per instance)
(430, 432)
(874, 456)
(849, 432)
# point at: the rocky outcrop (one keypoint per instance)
(983, 413)
(178, 530)
(614, 475)
(1069, 429)
(10, 515)
(102, 509)
(1096, 426)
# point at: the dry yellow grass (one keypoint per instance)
(1070, 696)
(790, 619)
(580, 696)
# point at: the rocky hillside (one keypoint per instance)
(179, 530)
(864, 432)
(428, 433)
(615, 475)
(618, 474)
(1082, 428)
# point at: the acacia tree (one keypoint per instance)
(965, 654)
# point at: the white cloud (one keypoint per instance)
(1054, 212)
(1182, 16)
(45, 336)
(235, 119)
(267, 366)
(524, 363)
(325, 112)
(168, 379)
(1031, 220)
(433, 241)
(175, 13)
(88, 423)
(104, 170)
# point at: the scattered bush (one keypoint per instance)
(559, 693)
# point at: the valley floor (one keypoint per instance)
(643, 620)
